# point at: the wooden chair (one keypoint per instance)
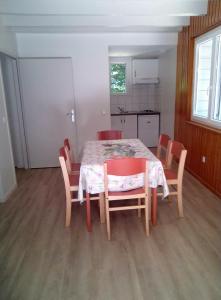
(163, 146)
(71, 165)
(71, 182)
(175, 177)
(109, 135)
(126, 167)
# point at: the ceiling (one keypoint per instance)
(87, 16)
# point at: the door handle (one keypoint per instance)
(71, 115)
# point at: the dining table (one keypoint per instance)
(91, 178)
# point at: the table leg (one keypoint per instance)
(88, 212)
(154, 206)
(102, 210)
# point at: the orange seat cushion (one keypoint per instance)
(170, 174)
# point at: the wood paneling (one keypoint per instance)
(199, 141)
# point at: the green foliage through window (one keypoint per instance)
(118, 78)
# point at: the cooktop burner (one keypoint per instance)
(148, 110)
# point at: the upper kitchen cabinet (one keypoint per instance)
(145, 71)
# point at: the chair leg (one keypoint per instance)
(107, 218)
(101, 206)
(139, 210)
(68, 210)
(180, 201)
(88, 212)
(154, 206)
(147, 216)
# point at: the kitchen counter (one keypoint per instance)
(143, 112)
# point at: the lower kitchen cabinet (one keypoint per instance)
(148, 129)
(127, 124)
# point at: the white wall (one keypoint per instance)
(89, 54)
(167, 93)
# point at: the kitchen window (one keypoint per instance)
(118, 78)
(207, 79)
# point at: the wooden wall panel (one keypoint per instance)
(199, 141)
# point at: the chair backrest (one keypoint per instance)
(67, 144)
(68, 158)
(125, 167)
(63, 160)
(67, 149)
(163, 144)
(109, 135)
(62, 153)
(178, 152)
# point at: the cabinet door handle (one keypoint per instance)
(124, 120)
(148, 122)
(135, 74)
(121, 121)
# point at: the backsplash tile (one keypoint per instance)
(140, 97)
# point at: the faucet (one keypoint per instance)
(121, 109)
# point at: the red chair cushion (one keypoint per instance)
(170, 174)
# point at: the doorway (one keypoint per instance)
(14, 110)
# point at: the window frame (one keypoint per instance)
(126, 77)
(209, 121)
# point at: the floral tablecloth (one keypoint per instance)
(92, 169)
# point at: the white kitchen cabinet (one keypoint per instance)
(116, 123)
(148, 129)
(130, 127)
(127, 124)
(145, 71)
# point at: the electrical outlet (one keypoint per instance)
(203, 159)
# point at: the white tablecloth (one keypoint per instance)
(92, 170)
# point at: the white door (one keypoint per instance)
(47, 97)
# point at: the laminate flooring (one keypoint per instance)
(41, 259)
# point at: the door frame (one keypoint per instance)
(18, 110)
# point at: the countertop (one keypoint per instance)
(136, 113)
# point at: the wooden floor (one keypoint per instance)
(40, 259)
